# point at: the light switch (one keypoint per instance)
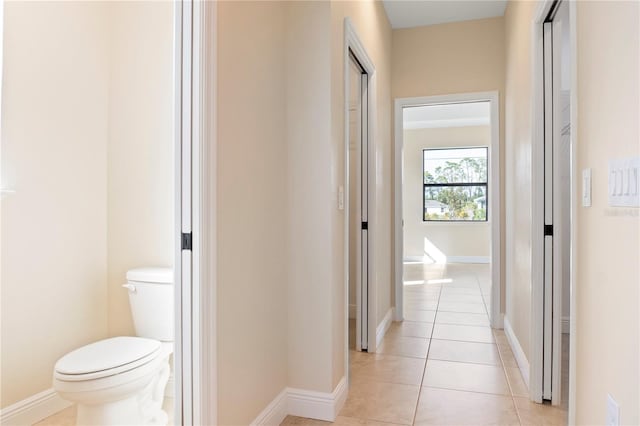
(624, 182)
(341, 197)
(586, 188)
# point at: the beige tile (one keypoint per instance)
(404, 346)
(419, 316)
(294, 420)
(462, 318)
(66, 417)
(410, 329)
(460, 290)
(450, 407)
(386, 368)
(467, 333)
(466, 377)
(533, 414)
(516, 382)
(508, 359)
(461, 297)
(473, 308)
(452, 350)
(422, 305)
(383, 402)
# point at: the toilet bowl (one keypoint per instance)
(122, 380)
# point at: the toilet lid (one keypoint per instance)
(101, 358)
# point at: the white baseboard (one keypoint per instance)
(33, 409)
(414, 259)
(384, 325)
(318, 405)
(468, 259)
(274, 413)
(304, 403)
(353, 311)
(518, 353)
(566, 325)
(449, 259)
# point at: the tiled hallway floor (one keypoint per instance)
(443, 365)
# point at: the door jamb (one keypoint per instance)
(537, 239)
(353, 43)
(496, 316)
(195, 133)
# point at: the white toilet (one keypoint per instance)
(122, 380)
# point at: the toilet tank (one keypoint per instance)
(151, 299)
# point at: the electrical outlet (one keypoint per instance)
(613, 412)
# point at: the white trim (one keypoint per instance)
(494, 187)
(566, 325)
(352, 42)
(33, 409)
(317, 405)
(275, 412)
(573, 288)
(384, 325)
(518, 353)
(468, 259)
(537, 239)
(537, 193)
(304, 403)
(195, 343)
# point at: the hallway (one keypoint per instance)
(443, 365)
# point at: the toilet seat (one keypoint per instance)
(106, 358)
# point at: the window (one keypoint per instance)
(455, 184)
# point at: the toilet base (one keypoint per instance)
(141, 408)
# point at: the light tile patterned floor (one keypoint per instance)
(443, 365)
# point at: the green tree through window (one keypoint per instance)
(455, 184)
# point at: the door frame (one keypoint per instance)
(195, 360)
(537, 238)
(496, 315)
(353, 44)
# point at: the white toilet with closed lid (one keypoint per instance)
(122, 380)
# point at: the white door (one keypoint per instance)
(358, 182)
(557, 194)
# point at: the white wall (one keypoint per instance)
(88, 144)
(449, 239)
(608, 273)
(140, 186)
(253, 263)
(54, 153)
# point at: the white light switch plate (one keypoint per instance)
(586, 188)
(624, 182)
(613, 412)
(341, 197)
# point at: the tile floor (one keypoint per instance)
(443, 365)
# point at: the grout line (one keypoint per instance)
(506, 377)
(424, 370)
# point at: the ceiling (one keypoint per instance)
(447, 115)
(417, 13)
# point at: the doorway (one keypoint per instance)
(553, 161)
(358, 206)
(456, 187)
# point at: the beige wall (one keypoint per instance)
(54, 153)
(452, 58)
(140, 149)
(450, 239)
(373, 28)
(252, 209)
(608, 273)
(518, 131)
(88, 144)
